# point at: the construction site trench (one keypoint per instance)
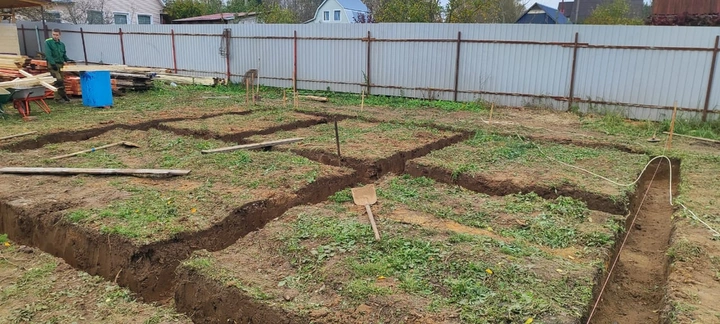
(634, 292)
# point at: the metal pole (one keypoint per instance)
(227, 53)
(457, 67)
(368, 64)
(710, 80)
(122, 45)
(572, 74)
(82, 38)
(172, 36)
(337, 141)
(22, 29)
(45, 30)
(295, 41)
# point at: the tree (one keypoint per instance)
(242, 5)
(616, 12)
(179, 9)
(273, 13)
(364, 19)
(409, 11)
(75, 12)
(483, 11)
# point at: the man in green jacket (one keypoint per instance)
(56, 57)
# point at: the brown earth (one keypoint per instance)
(636, 290)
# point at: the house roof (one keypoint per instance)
(551, 13)
(219, 16)
(22, 3)
(355, 5)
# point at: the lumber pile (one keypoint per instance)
(181, 79)
(10, 65)
(92, 67)
(27, 82)
(131, 81)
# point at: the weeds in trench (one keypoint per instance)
(684, 251)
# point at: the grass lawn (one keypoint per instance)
(446, 253)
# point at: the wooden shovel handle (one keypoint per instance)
(372, 222)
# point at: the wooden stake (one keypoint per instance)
(72, 171)
(362, 100)
(247, 91)
(492, 106)
(253, 146)
(285, 98)
(672, 126)
(16, 135)
(253, 94)
(696, 138)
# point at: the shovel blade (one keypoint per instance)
(364, 195)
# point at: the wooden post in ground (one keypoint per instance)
(362, 100)
(247, 91)
(672, 126)
(492, 107)
(285, 98)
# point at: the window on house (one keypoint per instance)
(121, 18)
(144, 19)
(326, 15)
(337, 15)
(53, 16)
(94, 17)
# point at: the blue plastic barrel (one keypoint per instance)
(96, 89)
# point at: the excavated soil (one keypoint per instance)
(637, 285)
(147, 270)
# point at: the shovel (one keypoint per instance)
(123, 143)
(366, 196)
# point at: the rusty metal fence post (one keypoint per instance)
(295, 49)
(710, 79)
(122, 45)
(367, 68)
(82, 38)
(457, 67)
(572, 74)
(22, 29)
(174, 53)
(228, 34)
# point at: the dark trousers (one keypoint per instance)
(59, 83)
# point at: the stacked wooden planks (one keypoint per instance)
(10, 65)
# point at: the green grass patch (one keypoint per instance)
(359, 139)
(510, 157)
